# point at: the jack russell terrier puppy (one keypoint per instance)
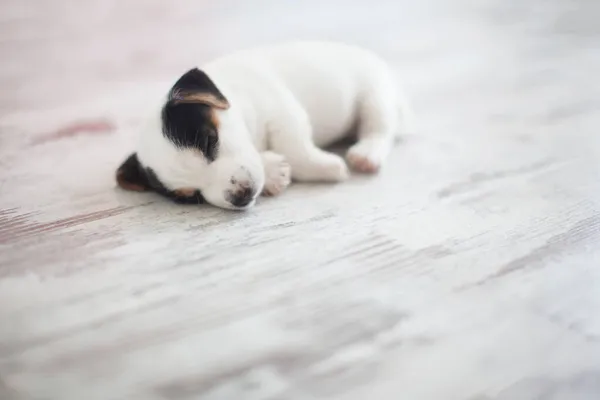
(251, 122)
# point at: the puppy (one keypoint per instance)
(251, 122)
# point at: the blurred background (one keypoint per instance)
(467, 270)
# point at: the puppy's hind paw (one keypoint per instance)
(367, 156)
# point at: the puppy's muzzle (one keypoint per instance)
(243, 195)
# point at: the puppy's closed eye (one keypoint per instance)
(210, 144)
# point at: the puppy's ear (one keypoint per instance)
(130, 175)
(196, 87)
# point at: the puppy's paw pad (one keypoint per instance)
(278, 175)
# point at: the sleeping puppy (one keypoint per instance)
(249, 123)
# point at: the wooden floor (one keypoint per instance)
(468, 270)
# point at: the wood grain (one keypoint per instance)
(468, 269)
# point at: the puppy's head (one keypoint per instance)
(198, 149)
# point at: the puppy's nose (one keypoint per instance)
(243, 196)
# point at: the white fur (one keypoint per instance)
(287, 103)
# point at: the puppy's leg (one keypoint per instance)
(277, 173)
(291, 135)
(379, 114)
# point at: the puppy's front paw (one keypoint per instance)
(334, 169)
(320, 166)
(277, 173)
(367, 156)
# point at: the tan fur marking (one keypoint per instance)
(203, 98)
(128, 185)
(214, 118)
(185, 192)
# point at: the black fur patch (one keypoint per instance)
(159, 188)
(132, 175)
(192, 124)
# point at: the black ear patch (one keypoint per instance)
(189, 119)
(196, 87)
(131, 176)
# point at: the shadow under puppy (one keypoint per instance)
(249, 123)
